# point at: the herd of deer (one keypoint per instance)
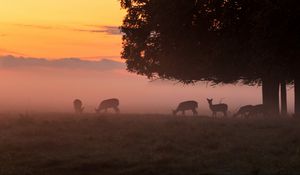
(243, 112)
(104, 105)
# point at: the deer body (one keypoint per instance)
(258, 110)
(250, 110)
(244, 111)
(222, 107)
(187, 105)
(109, 103)
(77, 104)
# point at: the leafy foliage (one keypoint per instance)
(223, 41)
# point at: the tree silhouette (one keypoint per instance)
(275, 40)
(222, 41)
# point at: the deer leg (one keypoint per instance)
(247, 114)
(250, 114)
(117, 109)
(243, 115)
(195, 112)
(174, 112)
(183, 112)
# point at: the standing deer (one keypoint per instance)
(109, 103)
(186, 105)
(222, 107)
(77, 104)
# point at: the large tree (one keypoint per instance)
(275, 39)
(223, 41)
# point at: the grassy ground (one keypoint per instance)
(56, 144)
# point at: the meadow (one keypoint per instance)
(67, 144)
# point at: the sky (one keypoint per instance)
(54, 51)
(57, 29)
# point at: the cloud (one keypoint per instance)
(109, 30)
(9, 52)
(37, 26)
(9, 62)
(112, 30)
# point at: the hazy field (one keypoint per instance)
(60, 144)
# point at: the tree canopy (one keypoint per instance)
(173, 39)
(217, 40)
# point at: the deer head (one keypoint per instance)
(209, 100)
(174, 112)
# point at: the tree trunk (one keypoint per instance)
(297, 97)
(270, 90)
(283, 98)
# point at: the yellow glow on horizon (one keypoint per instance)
(56, 28)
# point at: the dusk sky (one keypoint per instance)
(86, 31)
(59, 29)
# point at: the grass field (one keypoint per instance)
(64, 144)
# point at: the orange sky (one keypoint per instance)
(61, 28)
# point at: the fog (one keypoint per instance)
(30, 85)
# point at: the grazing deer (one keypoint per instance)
(222, 107)
(77, 104)
(109, 103)
(250, 110)
(244, 111)
(186, 105)
(258, 110)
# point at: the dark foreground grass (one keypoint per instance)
(54, 144)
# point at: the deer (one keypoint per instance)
(186, 105)
(244, 111)
(222, 107)
(77, 104)
(109, 103)
(258, 110)
(250, 110)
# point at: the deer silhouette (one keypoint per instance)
(109, 103)
(258, 110)
(244, 111)
(250, 110)
(186, 105)
(222, 107)
(77, 104)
